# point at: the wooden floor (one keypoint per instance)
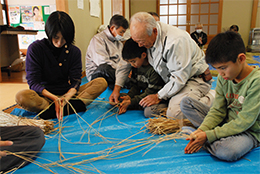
(15, 77)
(9, 86)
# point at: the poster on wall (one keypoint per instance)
(39, 25)
(30, 17)
(94, 8)
(25, 40)
(28, 26)
(37, 13)
(26, 13)
(14, 14)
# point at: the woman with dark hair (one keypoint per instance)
(53, 72)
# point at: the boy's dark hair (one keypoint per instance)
(153, 14)
(118, 21)
(235, 27)
(132, 50)
(224, 47)
(60, 21)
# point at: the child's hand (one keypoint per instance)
(125, 97)
(197, 140)
(124, 105)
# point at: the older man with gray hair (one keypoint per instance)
(199, 36)
(175, 57)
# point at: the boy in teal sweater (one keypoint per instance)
(145, 80)
(231, 127)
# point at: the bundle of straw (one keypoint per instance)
(13, 120)
(162, 125)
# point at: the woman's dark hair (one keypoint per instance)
(225, 47)
(60, 21)
(132, 50)
(118, 21)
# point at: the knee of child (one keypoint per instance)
(147, 112)
(184, 103)
(227, 154)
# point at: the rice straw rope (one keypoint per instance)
(121, 149)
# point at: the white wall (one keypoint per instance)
(239, 13)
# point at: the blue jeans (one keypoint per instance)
(230, 148)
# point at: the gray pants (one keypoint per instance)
(195, 88)
(25, 138)
(230, 148)
(154, 110)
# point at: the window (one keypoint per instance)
(184, 14)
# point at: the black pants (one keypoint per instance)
(107, 72)
(25, 138)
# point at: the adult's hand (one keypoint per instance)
(150, 100)
(113, 99)
(71, 92)
(59, 103)
(200, 40)
(62, 101)
(4, 143)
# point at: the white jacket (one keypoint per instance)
(175, 56)
(103, 48)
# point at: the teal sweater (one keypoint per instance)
(236, 108)
(145, 82)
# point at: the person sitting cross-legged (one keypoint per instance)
(230, 128)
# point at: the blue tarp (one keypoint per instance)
(120, 133)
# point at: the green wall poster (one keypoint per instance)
(30, 17)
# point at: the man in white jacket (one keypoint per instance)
(176, 57)
(105, 51)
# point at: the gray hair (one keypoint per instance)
(146, 19)
(197, 24)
